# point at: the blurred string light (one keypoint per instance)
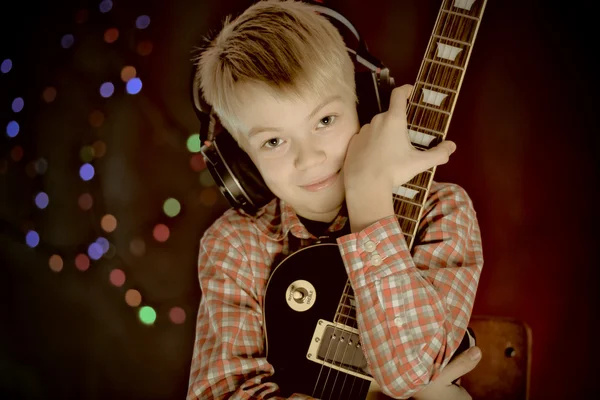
(111, 35)
(67, 41)
(101, 247)
(128, 73)
(6, 66)
(134, 85)
(105, 6)
(41, 200)
(107, 89)
(17, 104)
(197, 162)
(86, 172)
(56, 263)
(32, 239)
(117, 277)
(193, 143)
(12, 129)
(171, 207)
(142, 22)
(147, 315)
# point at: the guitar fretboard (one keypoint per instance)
(429, 112)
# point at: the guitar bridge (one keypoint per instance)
(338, 346)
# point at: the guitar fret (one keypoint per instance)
(419, 127)
(461, 15)
(452, 40)
(440, 75)
(445, 64)
(429, 108)
(436, 86)
(429, 118)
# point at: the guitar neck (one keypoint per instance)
(434, 96)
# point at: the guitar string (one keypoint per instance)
(452, 18)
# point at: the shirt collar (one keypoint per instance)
(278, 218)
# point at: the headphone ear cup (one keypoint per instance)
(246, 184)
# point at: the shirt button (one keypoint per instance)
(398, 321)
(376, 260)
(370, 246)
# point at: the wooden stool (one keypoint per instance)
(503, 372)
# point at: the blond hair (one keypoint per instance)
(284, 46)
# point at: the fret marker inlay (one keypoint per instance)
(448, 52)
(432, 97)
(464, 4)
(406, 192)
(420, 138)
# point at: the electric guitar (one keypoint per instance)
(310, 323)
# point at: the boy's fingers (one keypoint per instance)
(398, 100)
(461, 365)
(438, 155)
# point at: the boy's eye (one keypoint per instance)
(328, 120)
(271, 143)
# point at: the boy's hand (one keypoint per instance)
(442, 388)
(382, 154)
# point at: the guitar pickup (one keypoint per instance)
(338, 346)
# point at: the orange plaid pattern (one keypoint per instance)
(413, 307)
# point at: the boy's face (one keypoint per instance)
(305, 142)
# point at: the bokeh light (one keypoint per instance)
(197, 162)
(134, 85)
(161, 233)
(111, 252)
(144, 48)
(133, 298)
(105, 6)
(172, 207)
(128, 73)
(41, 166)
(17, 104)
(49, 94)
(32, 239)
(56, 263)
(6, 66)
(85, 201)
(117, 277)
(16, 153)
(177, 315)
(142, 22)
(107, 89)
(86, 172)
(3, 166)
(111, 35)
(108, 223)
(104, 244)
(193, 143)
(99, 148)
(147, 315)
(95, 251)
(12, 129)
(96, 118)
(67, 41)
(41, 200)
(208, 197)
(137, 247)
(82, 262)
(86, 153)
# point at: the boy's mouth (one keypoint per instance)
(322, 183)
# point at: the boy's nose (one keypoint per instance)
(309, 156)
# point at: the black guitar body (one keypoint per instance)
(289, 332)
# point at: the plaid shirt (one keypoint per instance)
(413, 307)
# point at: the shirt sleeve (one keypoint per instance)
(228, 357)
(413, 308)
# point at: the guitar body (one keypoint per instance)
(289, 332)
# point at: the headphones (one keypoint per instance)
(232, 169)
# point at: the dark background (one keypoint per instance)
(526, 150)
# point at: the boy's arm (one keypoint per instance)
(413, 309)
(228, 358)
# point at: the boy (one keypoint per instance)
(281, 81)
